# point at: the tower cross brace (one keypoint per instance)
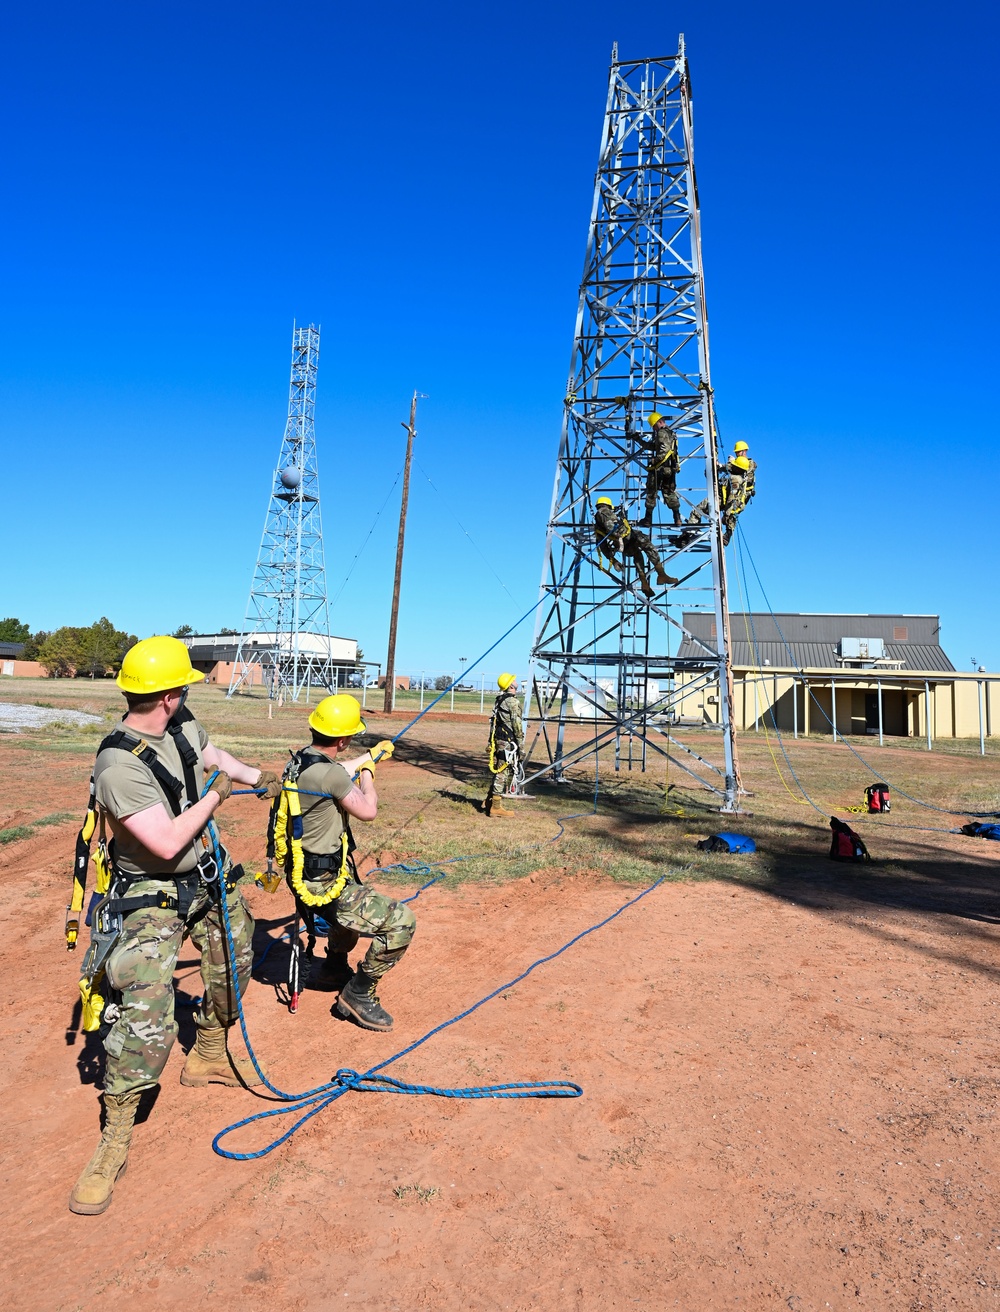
(605, 654)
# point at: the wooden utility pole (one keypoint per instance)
(390, 661)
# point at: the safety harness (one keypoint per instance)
(109, 904)
(284, 845)
(667, 459)
(284, 837)
(495, 766)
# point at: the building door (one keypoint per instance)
(871, 712)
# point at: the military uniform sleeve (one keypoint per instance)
(125, 786)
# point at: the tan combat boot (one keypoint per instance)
(495, 809)
(209, 1062)
(92, 1192)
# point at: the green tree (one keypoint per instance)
(12, 630)
(62, 652)
(102, 647)
(184, 631)
(34, 645)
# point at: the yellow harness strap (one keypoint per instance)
(287, 839)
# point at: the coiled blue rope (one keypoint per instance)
(310, 1103)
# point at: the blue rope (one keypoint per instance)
(311, 1102)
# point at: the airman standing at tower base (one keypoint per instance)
(506, 734)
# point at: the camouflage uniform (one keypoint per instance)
(506, 733)
(738, 488)
(616, 534)
(141, 964)
(698, 514)
(661, 475)
(359, 911)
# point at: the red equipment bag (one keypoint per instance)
(877, 798)
(845, 844)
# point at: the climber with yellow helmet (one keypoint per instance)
(506, 733)
(317, 853)
(159, 882)
(662, 470)
(736, 487)
(615, 534)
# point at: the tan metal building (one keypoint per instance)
(877, 675)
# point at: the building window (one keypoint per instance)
(900, 633)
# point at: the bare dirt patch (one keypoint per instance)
(790, 1069)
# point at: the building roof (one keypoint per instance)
(11, 649)
(211, 647)
(811, 641)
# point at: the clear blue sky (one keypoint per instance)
(182, 181)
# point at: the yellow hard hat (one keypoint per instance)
(741, 462)
(604, 501)
(505, 680)
(157, 665)
(741, 446)
(654, 419)
(338, 716)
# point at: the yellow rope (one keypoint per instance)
(756, 669)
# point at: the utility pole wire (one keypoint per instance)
(465, 531)
(357, 554)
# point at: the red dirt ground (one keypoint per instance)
(790, 1099)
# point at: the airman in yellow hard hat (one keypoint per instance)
(662, 469)
(166, 883)
(335, 789)
(737, 487)
(614, 534)
(506, 733)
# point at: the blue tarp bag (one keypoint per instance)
(982, 831)
(728, 843)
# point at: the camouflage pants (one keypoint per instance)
(641, 549)
(503, 781)
(360, 912)
(141, 967)
(662, 480)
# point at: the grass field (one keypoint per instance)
(790, 1067)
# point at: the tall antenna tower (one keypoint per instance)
(286, 636)
(604, 654)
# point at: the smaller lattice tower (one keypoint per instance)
(286, 636)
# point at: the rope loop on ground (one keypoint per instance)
(310, 1103)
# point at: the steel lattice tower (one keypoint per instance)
(641, 345)
(287, 628)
